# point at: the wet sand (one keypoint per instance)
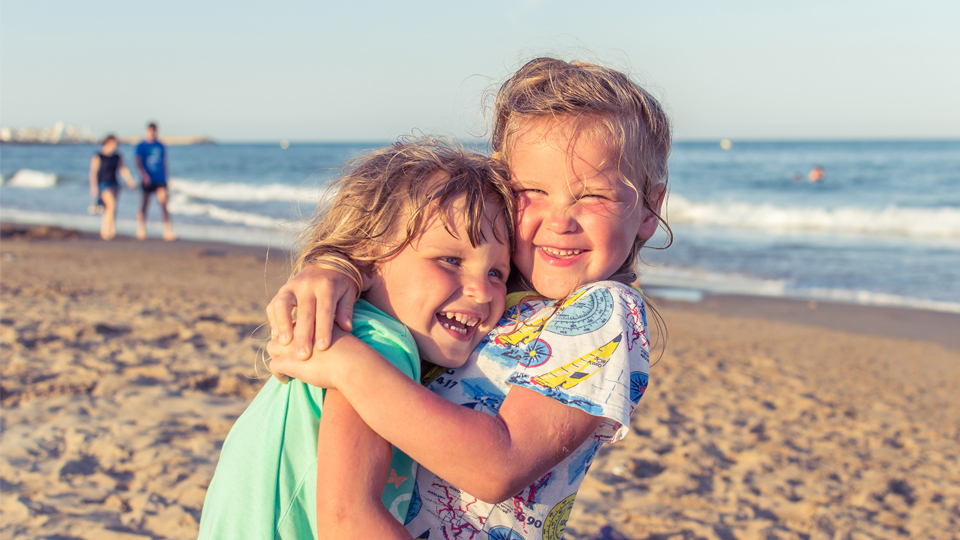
(124, 364)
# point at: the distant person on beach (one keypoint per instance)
(152, 163)
(104, 187)
(816, 174)
(431, 227)
(505, 441)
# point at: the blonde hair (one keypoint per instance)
(592, 97)
(383, 200)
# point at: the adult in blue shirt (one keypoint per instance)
(152, 163)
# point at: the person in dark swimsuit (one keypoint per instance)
(104, 186)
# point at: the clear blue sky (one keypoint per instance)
(244, 70)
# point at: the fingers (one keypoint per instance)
(324, 322)
(276, 352)
(303, 331)
(345, 309)
(279, 314)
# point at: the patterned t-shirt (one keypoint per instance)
(592, 353)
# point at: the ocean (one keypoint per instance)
(882, 228)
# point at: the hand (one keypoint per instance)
(320, 296)
(315, 370)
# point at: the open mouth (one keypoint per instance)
(560, 253)
(461, 323)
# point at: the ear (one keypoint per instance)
(651, 211)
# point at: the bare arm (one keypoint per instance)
(490, 457)
(125, 173)
(144, 177)
(352, 467)
(94, 169)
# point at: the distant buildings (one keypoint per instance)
(61, 133)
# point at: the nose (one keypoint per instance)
(560, 219)
(477, 286)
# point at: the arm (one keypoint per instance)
(94, 169)
(321, 296)
(125, 173)
(144, 177)
(492, 458)
(352, 467)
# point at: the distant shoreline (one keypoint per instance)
(172, 140)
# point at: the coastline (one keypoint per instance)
(125, 363)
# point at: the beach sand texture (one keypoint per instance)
(124, 364)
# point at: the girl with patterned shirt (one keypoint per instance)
(504, 441)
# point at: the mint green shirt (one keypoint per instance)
(265, 485)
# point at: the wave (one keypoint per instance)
(183, 205)
(231, 191)
(941, 223)
(688, 284)
(27, 178)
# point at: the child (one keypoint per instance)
(504, 442)
(104, 188)
(430, 227)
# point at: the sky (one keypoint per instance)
(364, 71)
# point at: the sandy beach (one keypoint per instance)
(124, 365)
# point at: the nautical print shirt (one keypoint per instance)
(591, 353)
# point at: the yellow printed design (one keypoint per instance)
(580, 369)
(531, 330)
(556, 520)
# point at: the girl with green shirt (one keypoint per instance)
(431, 228)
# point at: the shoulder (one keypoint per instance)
(387, 336)
(603, 299)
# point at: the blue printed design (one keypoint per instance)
(536, 354)
(504, 533)
(581, 462)
(415, 504)
(584, 316)
(480, 393)
(520, 379)
(638, 384)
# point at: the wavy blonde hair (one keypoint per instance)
(382, 201)
(592, 97)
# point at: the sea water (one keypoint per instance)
(883, 227)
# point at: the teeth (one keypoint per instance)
(461, 318)
(561, 252)
(455, 328)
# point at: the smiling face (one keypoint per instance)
(577, 220)
(448, 293)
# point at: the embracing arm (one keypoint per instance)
(490, 457)
(352, 467)
(321, 297)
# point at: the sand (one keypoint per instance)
(124, 365)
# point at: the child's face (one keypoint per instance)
(447, 292)
(577, 220)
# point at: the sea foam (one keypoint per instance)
(940, 223)
(233, 191)
(27, 178)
